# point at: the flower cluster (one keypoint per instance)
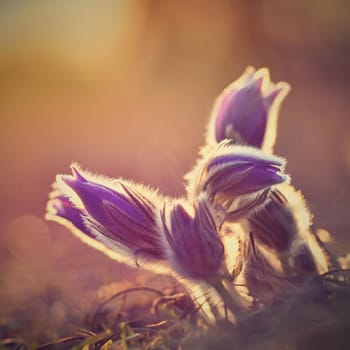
(239, 237)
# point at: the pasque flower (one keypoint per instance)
(241, 219)
(117, 213)
(236, 174)
(283, 226)
(192, 242)
(274, 225)
(246, 111)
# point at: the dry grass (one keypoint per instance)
(317, 316)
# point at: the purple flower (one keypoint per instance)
(231, 171)
(194, 248)
(282, 225)
(246, 111)
(117, 213)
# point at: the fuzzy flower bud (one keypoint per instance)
(117, 213)
(283, 225)
(246, 111)
(194, 248)
(232, 172)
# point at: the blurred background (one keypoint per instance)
(125, 89)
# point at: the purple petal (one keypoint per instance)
(279, 90)
(64, 209)
(243, 159)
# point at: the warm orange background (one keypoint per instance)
(125, 89)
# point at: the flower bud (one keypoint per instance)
(118, 214)
(246, 111)
(232, 172)
(274, 225)
(283, 225)
(194, 248)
